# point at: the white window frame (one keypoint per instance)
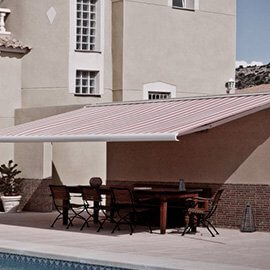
(90, 82)
(158, 87)
(4, 12)
(87, 25)
(86, 60)
(187, 5)
(158, 95)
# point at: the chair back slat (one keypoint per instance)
(217, 196)
(59, 192)
(60, 195)
(90, 194)
(215, 200)
(122, 196)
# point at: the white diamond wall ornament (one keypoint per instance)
(51, 13)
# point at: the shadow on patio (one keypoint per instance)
(44, 221)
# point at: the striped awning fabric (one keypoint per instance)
(165, 120)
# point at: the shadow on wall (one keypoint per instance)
(12, 55)
(36, 193)
(211, 156)
(55, 176)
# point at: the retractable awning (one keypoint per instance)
(165, 120)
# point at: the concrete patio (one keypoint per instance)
(29, 234)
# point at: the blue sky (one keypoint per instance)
(253, 31)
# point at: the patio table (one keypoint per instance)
(164, 195)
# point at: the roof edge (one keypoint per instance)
(176, 99)
(225, 120)
(14, 50)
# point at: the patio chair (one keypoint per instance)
(61, 201)
(93, 203)
(92, 200)
(198, 215)
(125, 209)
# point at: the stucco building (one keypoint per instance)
(12, 52)
(92, 51)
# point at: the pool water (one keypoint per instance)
(10, 261)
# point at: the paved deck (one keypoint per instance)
(29, 233)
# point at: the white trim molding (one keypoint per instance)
(158, 87)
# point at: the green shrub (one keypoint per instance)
(9, 184)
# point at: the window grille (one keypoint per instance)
(86, 25)
(86, 82)
(158, 95)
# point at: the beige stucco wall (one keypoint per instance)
(236, 152)
(45, 72)
(74, 163)
(193, 50)
(45, 69)
(10, 87)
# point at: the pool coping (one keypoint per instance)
(87, 260)
(147, 264)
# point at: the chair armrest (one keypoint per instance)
(74, 196)
(202, 203)
(143, 199)
(198, 201)
(202, 198)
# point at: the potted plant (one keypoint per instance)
(10, 186)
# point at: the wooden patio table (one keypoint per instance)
(162, 194)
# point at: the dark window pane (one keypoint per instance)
(178, 3)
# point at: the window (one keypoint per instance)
(158, 95)
(86, 25)
(86, 82)
(158, 90)
(185, 4)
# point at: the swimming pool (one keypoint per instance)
(10, 261)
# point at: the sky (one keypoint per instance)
(253, 32)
